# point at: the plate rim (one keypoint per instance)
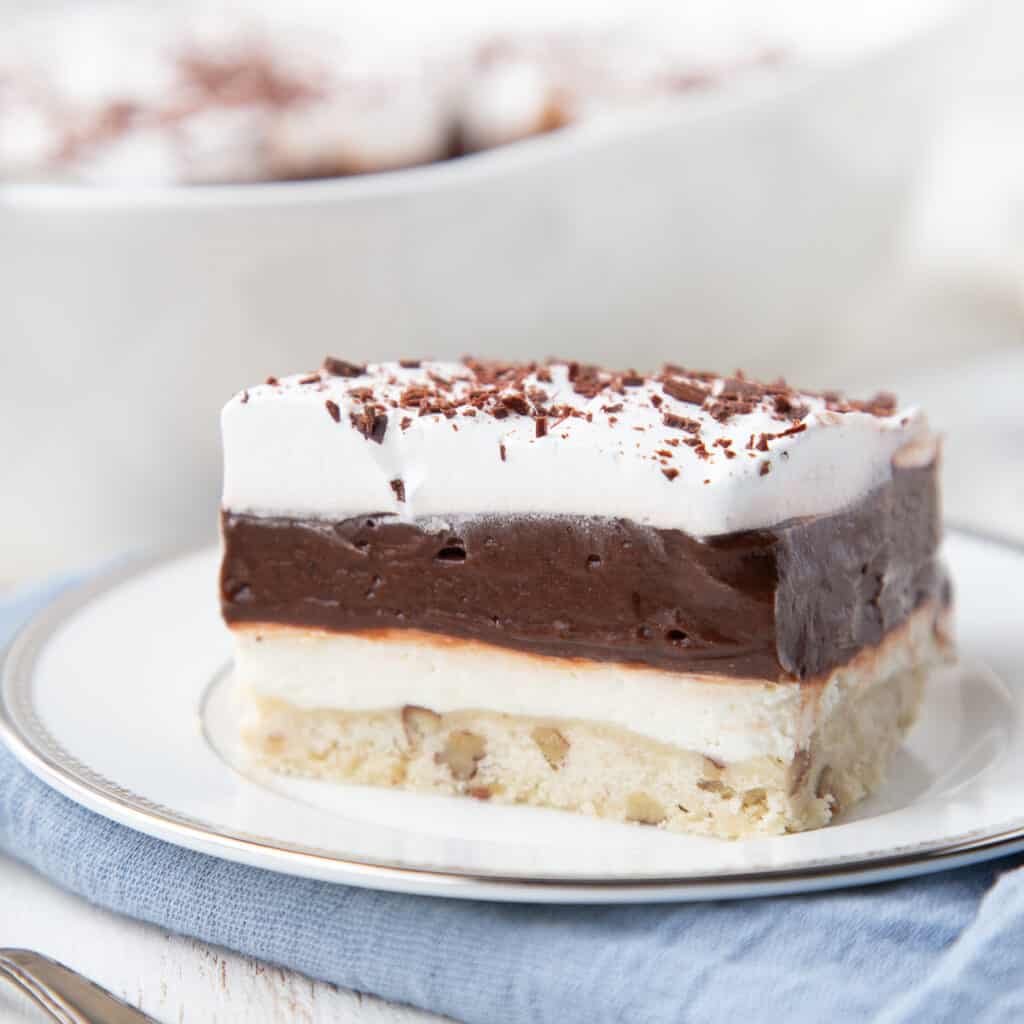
(22, 653)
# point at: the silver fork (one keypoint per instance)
(67, 996)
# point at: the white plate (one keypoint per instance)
(119, 696)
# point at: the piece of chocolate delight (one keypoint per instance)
(689, 601)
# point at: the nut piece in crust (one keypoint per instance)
(716, 786)
(553, 745)
(798, 772)
(644, 809)
(824, 789)
(274, 743)
(419, 722)
(461, 752)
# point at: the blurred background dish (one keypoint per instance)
(782, 214)
(113, 95)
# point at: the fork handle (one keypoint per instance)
(65, 995)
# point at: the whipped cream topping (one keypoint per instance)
(510, 100)
(361, 128)
(704, 454)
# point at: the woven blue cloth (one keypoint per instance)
(943, 948)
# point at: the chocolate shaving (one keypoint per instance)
(333, 410)
(244, 77)
(371, 423)
(343, 368)
(799, 428)
(670, 473)
(412, 396)
(272, 381)
(681, 423)
(541, 424)
(311, 378)
(516, 403)
(589, 387)
(501, 449)
(762, 443)
(723, 410)
(739, 387)
(882, 404)
(398, 486)
(766, 468)
(683, 391)
(409, 364)
(406, 422)
(612, 408)
(785, 406)
(586, 379)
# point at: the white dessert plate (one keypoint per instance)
(119, 696)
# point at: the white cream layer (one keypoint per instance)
(724, 718)
(285, 455)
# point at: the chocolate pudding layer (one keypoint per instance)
(789, 602)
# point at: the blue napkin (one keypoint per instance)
(942, 948)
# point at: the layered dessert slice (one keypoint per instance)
(682, 600)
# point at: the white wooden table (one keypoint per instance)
(174, 979)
